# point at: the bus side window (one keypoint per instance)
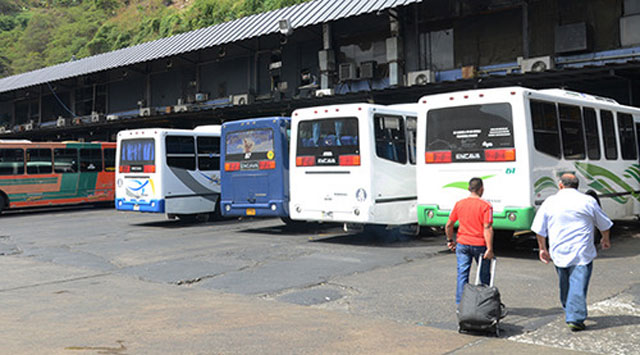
(181, 152)
(572, 132)
(627, 136)
(608, 135)
(39, 161)
(411, 138)
(546, 137)
(109, 159)
(390, 140)
(90, 160)
(11, 161)
(591, 133)
(65, 160)
(208, 153)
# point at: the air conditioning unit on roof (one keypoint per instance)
(537, 64)
(347, 71)
(61, 122)
(28, 126)
(243, 99)
(112, 117)
(421, 77)
(324, 92)
(96, 117)
(368, 69)
(146, 111)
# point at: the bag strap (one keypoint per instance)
(493, 270)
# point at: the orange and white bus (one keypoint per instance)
(50, 173)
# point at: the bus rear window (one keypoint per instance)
(250, 145)
(137, 152)
(328, 142)
(470, 133)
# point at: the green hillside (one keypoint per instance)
(40, 33)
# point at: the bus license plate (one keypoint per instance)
(251, 211)
(136, 207)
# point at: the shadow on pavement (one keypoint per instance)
(605, 322)
(297, 229)
(30, 211)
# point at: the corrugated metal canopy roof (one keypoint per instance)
(302, 15)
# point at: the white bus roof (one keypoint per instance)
(214, 128)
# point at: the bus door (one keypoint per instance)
(90, 166)
(250, 161)
(65, 163)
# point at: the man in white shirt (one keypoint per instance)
(568, 219)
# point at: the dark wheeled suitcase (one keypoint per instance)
(480, 308)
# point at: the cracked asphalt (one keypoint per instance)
(93, 280)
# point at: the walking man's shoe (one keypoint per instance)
(575, 326)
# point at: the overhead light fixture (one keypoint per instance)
(285, 27)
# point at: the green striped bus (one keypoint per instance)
(49, 173)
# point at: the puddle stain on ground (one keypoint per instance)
(102, 349)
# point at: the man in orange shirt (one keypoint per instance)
(475, 234)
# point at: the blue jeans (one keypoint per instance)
(574, 282)
(465, 254)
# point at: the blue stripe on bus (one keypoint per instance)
(153, 206)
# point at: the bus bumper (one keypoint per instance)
(512, 218)
(271, 209)
(153, 206)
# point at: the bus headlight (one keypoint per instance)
(227, 208)
(119, 203)
(361, 195)
(153, 204)
(298, 208)
(356, 212)
(430, 214)
(512, 216)
(274, 207)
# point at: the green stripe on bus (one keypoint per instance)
(34, 181)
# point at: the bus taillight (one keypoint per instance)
(306, 161)
(149, 169)
(437, 157)
(231, 166)
(349, 160)
(500, 154)
(267, 164)
(125, 168)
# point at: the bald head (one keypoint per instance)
(568, 180)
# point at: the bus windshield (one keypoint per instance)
(254, 144)
(328, 139)
(470, 130)
(137, 152)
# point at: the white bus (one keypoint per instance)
(520, 141)
(353, 164)
(171, 171)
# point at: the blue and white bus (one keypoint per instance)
(255, 167)
(171, 171)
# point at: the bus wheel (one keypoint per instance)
(2, 202)
(187, 218)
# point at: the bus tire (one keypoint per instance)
(3, 202)
(597, 236)
(187, 218)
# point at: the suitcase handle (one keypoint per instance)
(493, 270)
